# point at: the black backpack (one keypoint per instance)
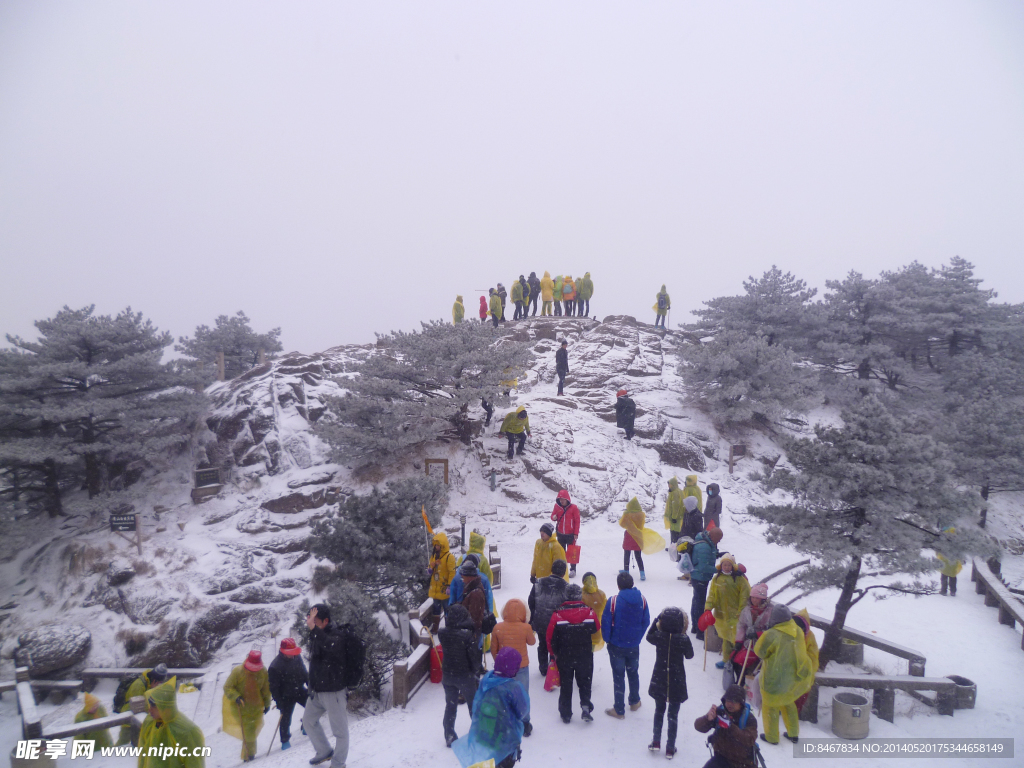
(662, 302)
(353, 653)
(121, 694)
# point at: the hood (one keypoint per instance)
(713, 489)
(90, 702)
(631, 596)
(533, 275)
(483, 301)
(663, 289)
(673, 484)
(557, 279)
(803, 619)
(476, 542)
(440, 538)
(589, 583)
(672, 620)
(690, 502)
(563, 494)
(165, 699)
(459, 618)
(634, 506)
(515, 610)
(780, 615)
(519, 410)
(568, 277)
(458, 299)
(547, 275)
(691, 481)
(586, 276)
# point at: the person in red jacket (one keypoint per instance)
(484, 311)
(567, 526)
(569, 639)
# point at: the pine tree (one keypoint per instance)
(418, 388)
(869, 495)
(741, 379)
(90, 397)
(234, 337)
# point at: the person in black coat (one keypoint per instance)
(668, 681)
(570, 638)
(461, 666)
(534, 282)
(625, 412)
(288, 680)
(713, 507)
(562, 366)
(545, 598)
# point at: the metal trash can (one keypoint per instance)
(712, 641)
(966, 692)
(850, 716)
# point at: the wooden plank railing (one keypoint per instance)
(410, 674)
(986, 583)
(916, 658)
(884, 692)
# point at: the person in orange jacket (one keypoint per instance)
(569, 295)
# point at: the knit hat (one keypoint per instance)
(547, 528)
(621, 393)
(468, 568)
(735, 693)
(690, 502)
(759, 590)
(780, 615)
(558, 568)
(727, 557)
(507, 662)
(288, 647)
(715, 534)
(564, 342)
(459, 618)
(158, 673)
(474, 557)
(254, 661)
(574, 592)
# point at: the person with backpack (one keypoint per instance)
(547, 294)
(494, 307)
(559, 284)
(728, 595)
(477, 542)
(625, 412)
(662, 304)
(704, 556)
(734, 741)
(597, 600)
(288, 679)
(668, 680)
(569, 296)
(562, 366)
(514, 631)
(517, 298)
(624, 621)
(458, 311)
(498, 710)
(92, 709)
(472, 591)
(545, 597)
(786, 674)
(503, 295)
(713, 509)
(584, 291)
(534, 284)
(675, 511)
(567, 523)
(569, 636)
(461, 665)
(440, 571)
(693, 520)
(167, 731)
(129, 688)
(246, 701)
(335, 665)
(516, 427)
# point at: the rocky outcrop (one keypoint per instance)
(51, 648)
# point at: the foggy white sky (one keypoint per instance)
(340, 168)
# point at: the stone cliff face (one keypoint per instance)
(234, 568)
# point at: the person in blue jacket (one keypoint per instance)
(705, 555)
(625, 619)
(499, 708)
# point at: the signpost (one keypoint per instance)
(207, 482)
(442, 462)
(736, 452)
(121, 524)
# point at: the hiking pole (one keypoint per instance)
(705, 657)
(279, 719)
(746, 657)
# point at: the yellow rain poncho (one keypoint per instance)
(547, 287)
(786, 673)
(728, 595)
(102, 736)
(476, 546)
(458, 310)
(495, 305)
(172, 730)
(668, 302)
(692, 489)
(246, 721)
(949, 567)
(442, 568)
(513, 424)
(633, 520)
(595, 600)
(810, 641)
(675, 510)
(139, 686)
(544, 554)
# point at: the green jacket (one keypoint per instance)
(585, 287)
(675, 509)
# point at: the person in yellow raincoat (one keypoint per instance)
(595, 600)
(441, 568)
(477, 541)
(545, 552)
(728, 595)
(690, 488)
(93, 710)
(495, 307)
(547, 292)
(803, 622)
(950, 567)
(786, 674)
(246, 700)
(166, 729)
(516, 427)
(148, 679)
(637, 538)
(662, 304)
(675, 510)
(458, 310)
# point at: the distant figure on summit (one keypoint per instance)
(484, 311)
(458, 310)
(495, 307)
(534, 294)
(661, 307)
(584, 290)
(547, 292)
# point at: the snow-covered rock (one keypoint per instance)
(52, 648)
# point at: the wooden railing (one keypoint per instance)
(997, 595)
(916, 659)
(410, 674)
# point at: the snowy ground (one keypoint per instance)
(576, 446)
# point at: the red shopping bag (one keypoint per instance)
(572, 554)
(552, 679)
(436, 657)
